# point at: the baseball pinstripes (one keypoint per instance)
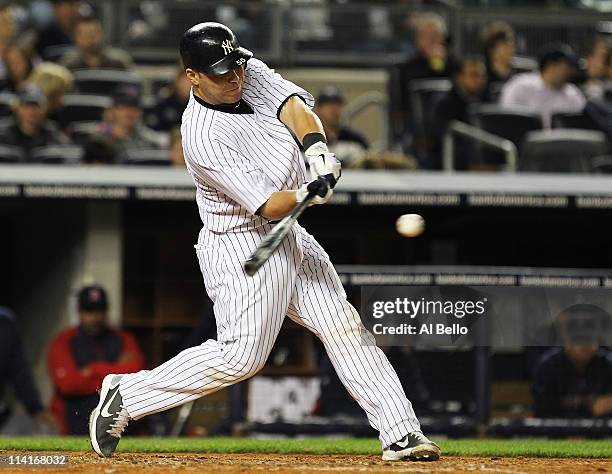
(298, 280)
(237, 160)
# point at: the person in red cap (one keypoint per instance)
(79, 358)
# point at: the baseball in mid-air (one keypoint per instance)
(410, 225)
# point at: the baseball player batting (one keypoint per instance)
(239, 138)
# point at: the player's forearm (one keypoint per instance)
(298, 118)
(280, 204)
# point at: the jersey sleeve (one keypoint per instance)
(230, 173)
(264, 86)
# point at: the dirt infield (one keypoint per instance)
(297, 463)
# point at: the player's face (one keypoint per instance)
(216, 90)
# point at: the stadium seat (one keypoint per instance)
(5, 105)
(80, 131)
(562, 150)
(509, 123)
(83, 108)
(602, 164)
(104, 81)
(573, 120)
(57, 154)
(11, 154)
(424, 93)
(147, 157)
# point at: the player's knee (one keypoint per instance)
(248, 368)
(246, 356)
(345, 328)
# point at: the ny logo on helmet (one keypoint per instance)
(227, 47)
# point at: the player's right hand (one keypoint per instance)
(322, 162)
(320, 186)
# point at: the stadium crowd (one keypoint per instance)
(92, 92)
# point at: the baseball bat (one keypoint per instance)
(271, 241)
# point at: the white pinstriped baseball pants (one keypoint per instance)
(298, 281)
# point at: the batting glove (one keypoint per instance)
(320, 186)
(323, 163)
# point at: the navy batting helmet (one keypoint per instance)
(212, 48)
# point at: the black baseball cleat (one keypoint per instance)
(108, 420)
(414, 446)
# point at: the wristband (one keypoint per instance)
(312, 138)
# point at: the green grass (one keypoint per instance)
(463, 447)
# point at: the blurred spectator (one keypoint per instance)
(98, 150)
(548, 90)
(431, 57)
(90, 51)
(15, 370)
(175, 149)
(591, 79)
(469, 83)
(31, 128)
(348, 144)
(8, 29)
(55, 81)
(56, 37)
(123, 125)
(430, 60)
(18, 65)
(168, 112)
(576, 380)
(498, 49)
(79, 358)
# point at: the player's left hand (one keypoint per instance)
(320, 186)
(322, 162)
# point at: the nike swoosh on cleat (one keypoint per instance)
(104, 413)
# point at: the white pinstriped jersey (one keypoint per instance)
(237, 160)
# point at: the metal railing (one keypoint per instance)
(474, 133)
(358, 105)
